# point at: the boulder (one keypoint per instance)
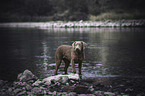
(60, 78)
(26, 76)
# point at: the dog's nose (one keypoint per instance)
(78, 50)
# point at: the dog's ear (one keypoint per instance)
(84, 44)
(73, 45)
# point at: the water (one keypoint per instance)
(110, 52)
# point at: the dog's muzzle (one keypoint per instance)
(78, 50)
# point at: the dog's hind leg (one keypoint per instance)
(67, 63)
(58, 62)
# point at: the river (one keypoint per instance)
(110, 52)
(113, 56)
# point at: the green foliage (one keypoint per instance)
(112, 15)
(41, 10)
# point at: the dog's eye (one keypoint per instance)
(77, 44)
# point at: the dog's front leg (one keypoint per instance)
(80, 67)
(73, 66)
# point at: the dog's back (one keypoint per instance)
(63, 51)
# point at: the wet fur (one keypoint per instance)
(70, 54)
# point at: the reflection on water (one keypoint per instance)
(110, 52)
(44, 56)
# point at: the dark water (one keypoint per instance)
(110, 52)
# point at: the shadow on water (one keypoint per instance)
(111, 52)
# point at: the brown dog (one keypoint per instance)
(70, 54)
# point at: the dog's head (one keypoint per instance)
(79, 46)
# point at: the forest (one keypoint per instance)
(70, 10)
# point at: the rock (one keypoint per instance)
(62, 94)
(16, 91)
(99, 93)
(30, 94)
(129, 90)
(37, 83)
(57, 83)
(19, 84)
(91, 88)
(36, 90)
(2, 83)
(72, 81)
(66, 94)
(86, 95)
(67, 84)
(73, 77)
(10, 89)
(44, 92)
(80, 89)
(109, 93)
(26, 76)
(60, 78)
(64, 79)
(23, 93)
(64, 85)
(52, 93)
(71, 94)
(28, 87)
(31, 81)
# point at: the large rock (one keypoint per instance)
(26, 76)
(60, 78)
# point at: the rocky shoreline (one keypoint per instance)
(27, 84)
(77, 24)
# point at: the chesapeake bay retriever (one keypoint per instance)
(70, 54)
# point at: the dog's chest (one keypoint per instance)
(78, 58)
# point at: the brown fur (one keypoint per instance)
(70, 54)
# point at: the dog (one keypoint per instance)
(70, 54)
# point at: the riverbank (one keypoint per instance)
(77, 24)
(67, 85)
